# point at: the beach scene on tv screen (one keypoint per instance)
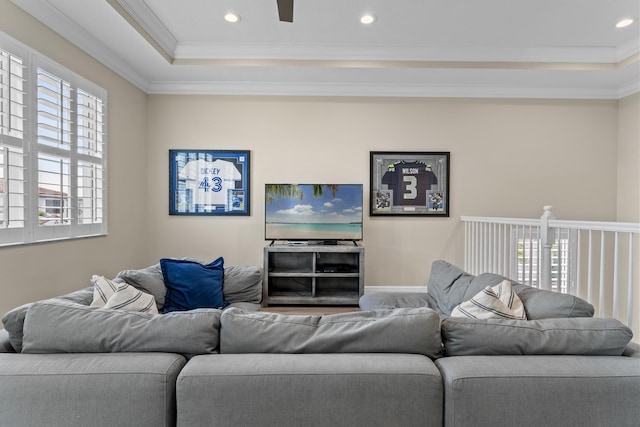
(313, 211)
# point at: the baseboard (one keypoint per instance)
(374, 289)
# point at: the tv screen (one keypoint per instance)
(327, 212)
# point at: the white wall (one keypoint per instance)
(45, 270)
(508, 158)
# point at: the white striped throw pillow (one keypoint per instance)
(497, 302)
(121, 296)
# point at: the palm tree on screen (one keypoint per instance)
(287, 191)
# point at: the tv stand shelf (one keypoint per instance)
(313, 275)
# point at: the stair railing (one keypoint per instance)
(597, 261)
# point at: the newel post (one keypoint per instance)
(547, 239)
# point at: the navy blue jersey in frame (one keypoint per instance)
(409, 182)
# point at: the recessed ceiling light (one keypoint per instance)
(624, 23)
(368, 19)
(231, 17)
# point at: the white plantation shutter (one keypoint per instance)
(12, 148)
(90, 186)
(52, 150)
(11, 95)
(54, 136)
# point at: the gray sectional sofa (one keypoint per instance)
(401, 361)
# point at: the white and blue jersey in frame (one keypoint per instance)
(209, 182)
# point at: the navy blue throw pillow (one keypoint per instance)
(192, 285)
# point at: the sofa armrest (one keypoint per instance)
(5, 344)
(632, 350)
(390, 300)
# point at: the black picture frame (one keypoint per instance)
(209, 182)
(410, 183)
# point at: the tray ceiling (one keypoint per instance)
(453, 48)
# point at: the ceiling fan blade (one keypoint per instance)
(285, 10)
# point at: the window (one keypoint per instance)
(529, 254)
(52, 150)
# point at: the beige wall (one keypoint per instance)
(629, 183)
(44, 270)
(508, 158)
(629, 159)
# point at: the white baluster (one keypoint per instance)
(547, 238)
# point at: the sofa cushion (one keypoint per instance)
(5, 342)
(389, 300)
(497, 302)
(65, 327)
(246, 306)
(451, 286)
(309, 390)
(13, 320)
(543, 304)
(448, 285)
(539, 303)
(148, 280)
(406, 330)
(242, 284)
(584, 336)
(121, 296)
(89, 389)
(103, 289)
(191, 284)
(540, 391)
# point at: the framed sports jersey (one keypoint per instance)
(409, 183)
(208, 182)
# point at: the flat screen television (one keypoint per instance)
(328, 213)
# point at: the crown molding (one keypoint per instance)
(628, 88)
(138, 14)
(628, 50)
(199, 52)
(49, 15)
(377, 90)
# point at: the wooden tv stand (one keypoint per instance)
(313, 274)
